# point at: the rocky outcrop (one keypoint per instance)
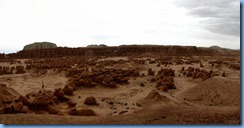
(39, 45)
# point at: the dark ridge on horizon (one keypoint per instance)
(47, 45)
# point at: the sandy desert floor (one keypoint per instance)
(215, 100)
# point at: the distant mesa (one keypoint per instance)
(96, 46)
(39, 45)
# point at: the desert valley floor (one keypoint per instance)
(143, 89)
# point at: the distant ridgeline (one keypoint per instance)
(47, 51)
(39, 45)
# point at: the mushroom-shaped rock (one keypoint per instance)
(90, 101)
(68, 90)
(59, 93)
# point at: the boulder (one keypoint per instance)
(24, 109)
(18, 106)
(60, 95)
(90, 101)
(169, 85)
(72, 104)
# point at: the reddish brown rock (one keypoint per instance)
(8, 109)
(52, 110)
(24, 109)
(71, 104)
(3, 85)
(168, 79)
(91, 101)
(18, 106)
(169, 85)
(7, 100)
(41, 100)
(112, 85)
(60, 95)
(25, 100)
(189, 74)
(201, 65)
(164, 88)
(107, 80)
(182, 68)
(152, 80)
(223, 74)
(68, 90)
(150, 72)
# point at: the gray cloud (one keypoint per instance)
(220, 16)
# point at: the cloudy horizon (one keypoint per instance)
(78, 23)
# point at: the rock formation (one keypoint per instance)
(47, 51)
(39, 45)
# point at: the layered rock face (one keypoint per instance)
(40, 45)
(113, 51)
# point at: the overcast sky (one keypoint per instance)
(77, 23)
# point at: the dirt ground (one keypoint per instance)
(193, 101)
